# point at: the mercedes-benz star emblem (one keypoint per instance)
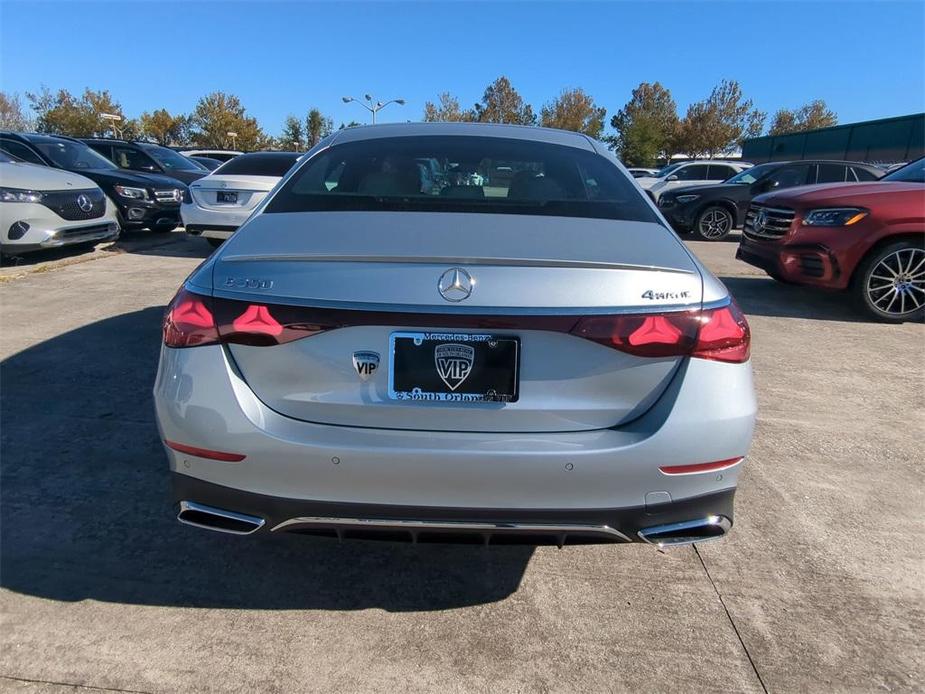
(455, 284)
(760, 220)
(84, 202)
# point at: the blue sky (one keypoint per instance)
(866, 59)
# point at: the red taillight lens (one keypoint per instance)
(655, 335)
(720, 334)
(188, 321)
(724, 335)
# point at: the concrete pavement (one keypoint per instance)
(818, 588)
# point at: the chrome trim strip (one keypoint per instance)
(256, 521)
(647, 534)
(451, 260)
(408, 524)
(447, 308)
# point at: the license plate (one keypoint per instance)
(224, 196)
(454, 367)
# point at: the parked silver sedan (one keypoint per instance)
(529, 354)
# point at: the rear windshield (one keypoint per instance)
(462, 174)
(259, 164)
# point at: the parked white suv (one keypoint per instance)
(690, 173)
(42, 207)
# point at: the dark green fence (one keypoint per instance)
(877, 141)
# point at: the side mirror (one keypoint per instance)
(673, 177)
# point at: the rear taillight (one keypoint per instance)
(654, 335)
(194, 320)
(724, 335)
(720, 334)
(188, 321)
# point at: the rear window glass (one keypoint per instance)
(264, 164)
(462, 174)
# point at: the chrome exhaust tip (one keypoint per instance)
(686, 532)
(218, 519)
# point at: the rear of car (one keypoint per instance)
(868, 238)
(219, 203)
(535, 357)
(44, 208)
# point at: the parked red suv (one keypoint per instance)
(868, 238)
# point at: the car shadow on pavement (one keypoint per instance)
(85, 513)
(763, 296)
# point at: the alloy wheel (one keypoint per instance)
(896, 284)
(714, 224)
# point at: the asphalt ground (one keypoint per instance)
(819, 587)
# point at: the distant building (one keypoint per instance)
(883, 141)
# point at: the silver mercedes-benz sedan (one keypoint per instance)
(440, 332)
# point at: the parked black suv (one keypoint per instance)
(145, 157)
(711, 212)
(142, 200)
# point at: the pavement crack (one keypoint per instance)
(731, 620)
(88, 687)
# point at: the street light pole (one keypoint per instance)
(373, 108)
(113, 118)
(234, 139)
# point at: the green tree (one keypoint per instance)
(317, 126)
(446, 110)
(11, 114)
(64, 114)
(647, 126)
(219, 113)
(351, 124)
(501, 103)
(810, 116)
(574, 110)
(720, 122)
(292, 138)
(163, 128)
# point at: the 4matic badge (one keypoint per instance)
(655, 296)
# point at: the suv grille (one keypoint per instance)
(767, 222)
(168, 195)
(65, 203)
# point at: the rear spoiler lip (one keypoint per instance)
(452, 260)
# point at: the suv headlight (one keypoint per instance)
(19, 195)
(684, 199)
(834, 216)
(133, 193)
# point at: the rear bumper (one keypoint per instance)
(214, 231)
(213, 224)
(435, 524)
(705, 414)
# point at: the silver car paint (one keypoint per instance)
(706, 414)
(696, 411)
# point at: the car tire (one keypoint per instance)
(714, 223)
(215, 243)
(164, 228)
(889, 284)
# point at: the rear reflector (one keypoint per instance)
(700, 467)
(205, 452)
